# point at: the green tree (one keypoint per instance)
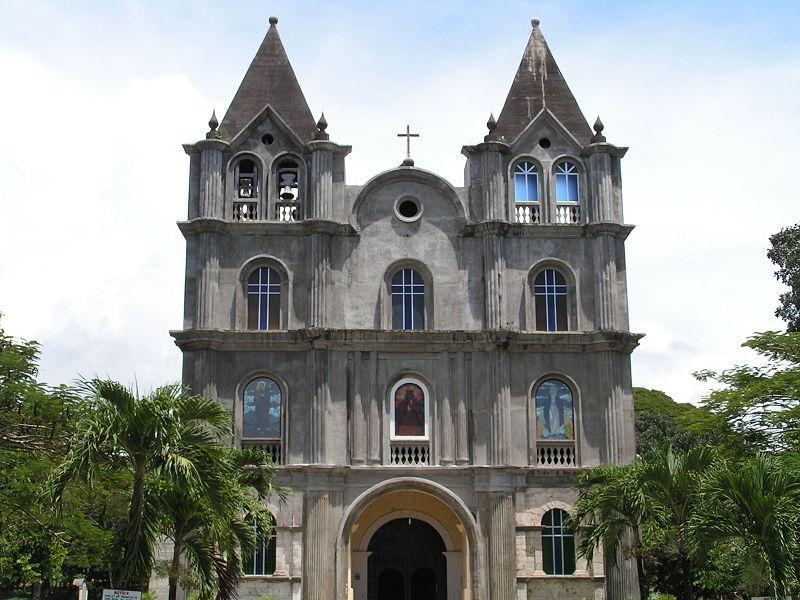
(754, 505)
(163, 437)
(649, 502)
(212, 531)
(785, 253)
(762, 402)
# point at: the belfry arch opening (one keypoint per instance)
(408, 544)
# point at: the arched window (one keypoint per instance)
(567, 182)
(408, 300)
(264, 299)
(410, 410)
(246, 179)
(558, 544)
(262, 560)
(287, 208)
(551, 301)
(261, 410)
(526, 182)
(554, 411)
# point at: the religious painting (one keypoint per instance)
(554, 411)
(262, 409)
(409, 411)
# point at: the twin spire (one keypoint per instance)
(538, 84)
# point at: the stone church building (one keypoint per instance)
(429, 365)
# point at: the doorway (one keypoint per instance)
(406, 562)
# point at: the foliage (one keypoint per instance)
(39, 545)
(785, 253)
(762, 403)
(187, 481)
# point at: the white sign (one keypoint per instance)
(121, 595)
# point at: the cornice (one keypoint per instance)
(327, 145)
(299, 340)
(549, 230)
(604, 148)
(487, 146)
(253, 228)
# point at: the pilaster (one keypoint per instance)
(494, 264)
(446, 411)
(357, 417)
(500, 409)
(321, 264)
(321, 180)
(208, 280)
(319, 400)
(318, 555)
(500, 530)
(461, 390)
(211, 178)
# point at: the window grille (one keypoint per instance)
(558, 544)
(264, 299)
(408, 300)
(263, 558)
(550, 301)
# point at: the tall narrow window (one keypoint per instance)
(558, 544)
(246, 179)
(526, 182)
(408, 300)
(554, 411)
(567, 182)
(409, 410)
(550, 301)
(264, 299)
(261, 410)
(263, 558)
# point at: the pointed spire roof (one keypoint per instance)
(269, 80)
(539, 84)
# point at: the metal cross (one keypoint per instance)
(408, 135)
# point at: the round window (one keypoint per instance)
(408, 209)
(544, 143)
(268, 139)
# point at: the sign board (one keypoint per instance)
(121, 595)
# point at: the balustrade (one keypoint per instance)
(245, 211)
(527, 213)
(272, 447)
(287, 211)
(568, 214)
(555, 454)
(412, 454)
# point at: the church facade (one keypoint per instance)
(429, 365)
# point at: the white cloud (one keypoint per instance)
(93, 178)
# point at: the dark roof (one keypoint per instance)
(539, 84)
(269, 80)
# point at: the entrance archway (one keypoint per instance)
(406, 562)
(415, 498)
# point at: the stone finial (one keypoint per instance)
(491, 124)
(213, 123)
(273, 20)
(598, 131)
(535, 22)
(322, 125)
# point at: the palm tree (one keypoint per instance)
(166, 437)
(617, 502)
(212, 531)
(757, 505)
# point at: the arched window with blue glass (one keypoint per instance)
(262, 410)
(567, 184)
(551, 301)
(555, 412)
(264, 299)
(526, 182)
(408, 300)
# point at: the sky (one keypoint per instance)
(97, 98)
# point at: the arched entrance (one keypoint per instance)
(406, 562)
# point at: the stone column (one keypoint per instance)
(208, 279)
(455, 569)
(502, 559)
(358, 574)
(321, 206)
(375, 410)
(499, 451)
(357, 429)
(605, 191)
(211, 178)
(488, 170)
(461, 391)
(320, 264)
(446, 412)
(494, 266)
(606, 296)
(318, 546)
(319, 368)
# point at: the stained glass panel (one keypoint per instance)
(554, 411)
(409, 410)
(262, 409)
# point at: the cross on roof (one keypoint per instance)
(408, 135)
